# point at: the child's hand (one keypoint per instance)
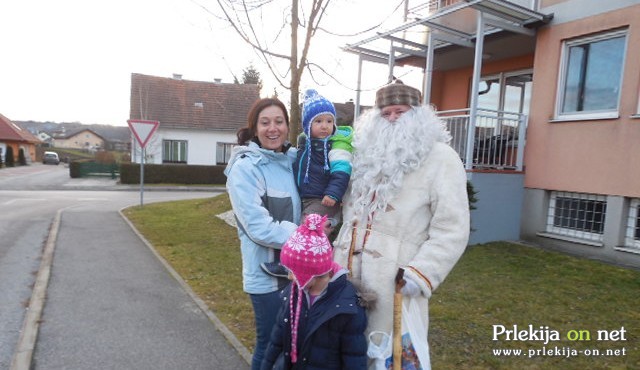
(327, 201)
(328, 229)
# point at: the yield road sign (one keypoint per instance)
(142, 129)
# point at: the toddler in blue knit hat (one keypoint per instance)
(323, 165)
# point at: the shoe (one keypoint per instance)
(275, 269)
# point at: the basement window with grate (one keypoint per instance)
(577, 215)
(632, 235)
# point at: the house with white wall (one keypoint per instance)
(84, 139)
(198, 120)
(542, 98)
(44, 137)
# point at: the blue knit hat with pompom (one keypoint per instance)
(314, 105)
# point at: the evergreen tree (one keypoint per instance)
(251, 76)
(9, 159)
(471, 194)
(21, 158)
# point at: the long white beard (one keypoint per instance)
(384, 152)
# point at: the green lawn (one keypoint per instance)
(494, 287)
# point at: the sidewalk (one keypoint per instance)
(106, 183)
(113, 303)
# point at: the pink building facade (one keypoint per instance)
(582, 179)
(543, 102)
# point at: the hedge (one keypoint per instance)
(173, 174)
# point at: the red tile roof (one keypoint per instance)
(9, 131)
(178, 103)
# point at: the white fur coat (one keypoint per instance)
(423, 229)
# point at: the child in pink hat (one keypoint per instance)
(321, 322)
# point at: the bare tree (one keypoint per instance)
(245, 16)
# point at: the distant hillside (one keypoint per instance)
(110, 133)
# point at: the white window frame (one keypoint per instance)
(502, 90)
(630, 240)
(224, 159)
(637, 114)
(171, 141)
(572, 233)
(587, 115)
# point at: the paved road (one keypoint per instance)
(43, 177)
(110, 302)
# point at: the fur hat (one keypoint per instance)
(306, 254)
(314, 105)
(397, 93)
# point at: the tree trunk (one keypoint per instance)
(294, 117)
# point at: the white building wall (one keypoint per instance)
(201, 145)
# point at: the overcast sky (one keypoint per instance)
(71, 60)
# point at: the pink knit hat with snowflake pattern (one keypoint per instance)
(307, 253)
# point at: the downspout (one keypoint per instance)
(522, 129)
(392, 62)
(356, 109)
(428, 80)
(475, 84)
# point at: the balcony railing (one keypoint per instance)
(432, 6)
(498, 138)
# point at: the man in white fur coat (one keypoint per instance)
(407, 205)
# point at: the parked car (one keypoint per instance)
(50, 158)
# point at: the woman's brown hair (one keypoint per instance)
(247, 133)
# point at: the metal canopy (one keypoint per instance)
(463, 25)
(455, 24)
(506, 9)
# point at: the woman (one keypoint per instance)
(267, 206)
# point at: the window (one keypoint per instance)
(510, 92)
(591, 76)
(577, 215)
(174, 151)
(632, 237)
(223, 152)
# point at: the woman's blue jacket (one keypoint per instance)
(267, 207)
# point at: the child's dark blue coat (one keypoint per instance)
(330, 333)
(322, 180)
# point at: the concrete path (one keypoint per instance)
(103, 299)
(112, 304)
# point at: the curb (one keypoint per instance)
(81, 187)
(231, 338)
(23, 354)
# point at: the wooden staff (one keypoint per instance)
(397, 321)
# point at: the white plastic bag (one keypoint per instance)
(415, 349)
(379, 349)
(414, 335)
